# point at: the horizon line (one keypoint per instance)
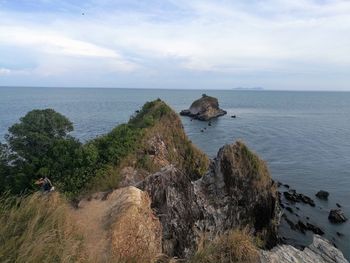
(199, 89)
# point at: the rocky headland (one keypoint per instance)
(204, 109)
(167, 201)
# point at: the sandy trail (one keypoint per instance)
(90, 218)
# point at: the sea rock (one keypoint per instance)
(315, 229)
(322, 195)
(337, 216)
(321, 251)
(340, 234)
(204, 109)
(288, 208)
(295, 197)
(233, 193)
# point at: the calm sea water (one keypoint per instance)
(304, 136)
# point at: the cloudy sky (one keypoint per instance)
(275, 44)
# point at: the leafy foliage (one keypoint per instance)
(40, 145)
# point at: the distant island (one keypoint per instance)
(248, 88)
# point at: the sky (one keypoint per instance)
(185, 44)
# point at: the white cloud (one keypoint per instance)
(296, 36)
(4, 71)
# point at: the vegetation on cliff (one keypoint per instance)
(187, 196)
(40, 145)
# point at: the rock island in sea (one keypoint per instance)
(204, 109)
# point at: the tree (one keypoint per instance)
(4, 167)
(32, 141)
(36, 132)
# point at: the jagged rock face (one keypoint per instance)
(238, 191)
(232, 194)
(174, 202)
(321, 251)
(204, 109)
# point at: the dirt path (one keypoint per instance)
(89, 217)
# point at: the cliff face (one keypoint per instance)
(238, 191)
(233, 194)
(204, 109)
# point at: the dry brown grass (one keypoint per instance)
(38, 228)
(231, 247)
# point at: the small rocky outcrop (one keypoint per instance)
(321, 251)
(322, 195)
(204, 109)
(237, 191)
(295, 197)
(337, 216)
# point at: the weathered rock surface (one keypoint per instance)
(321, 251)
(204, 109)
(237, 191)
(135, 230)
(119, 225)
(337, 216)
(322, 195)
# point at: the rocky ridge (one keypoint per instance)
(183, 204)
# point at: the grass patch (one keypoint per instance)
(252, 166)
(233, 246)
(38, 228)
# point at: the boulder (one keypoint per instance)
(321, 251)
(119, 226)
(204, 109)
(322, 195)
(337, 216)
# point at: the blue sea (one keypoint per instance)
(303, 136)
